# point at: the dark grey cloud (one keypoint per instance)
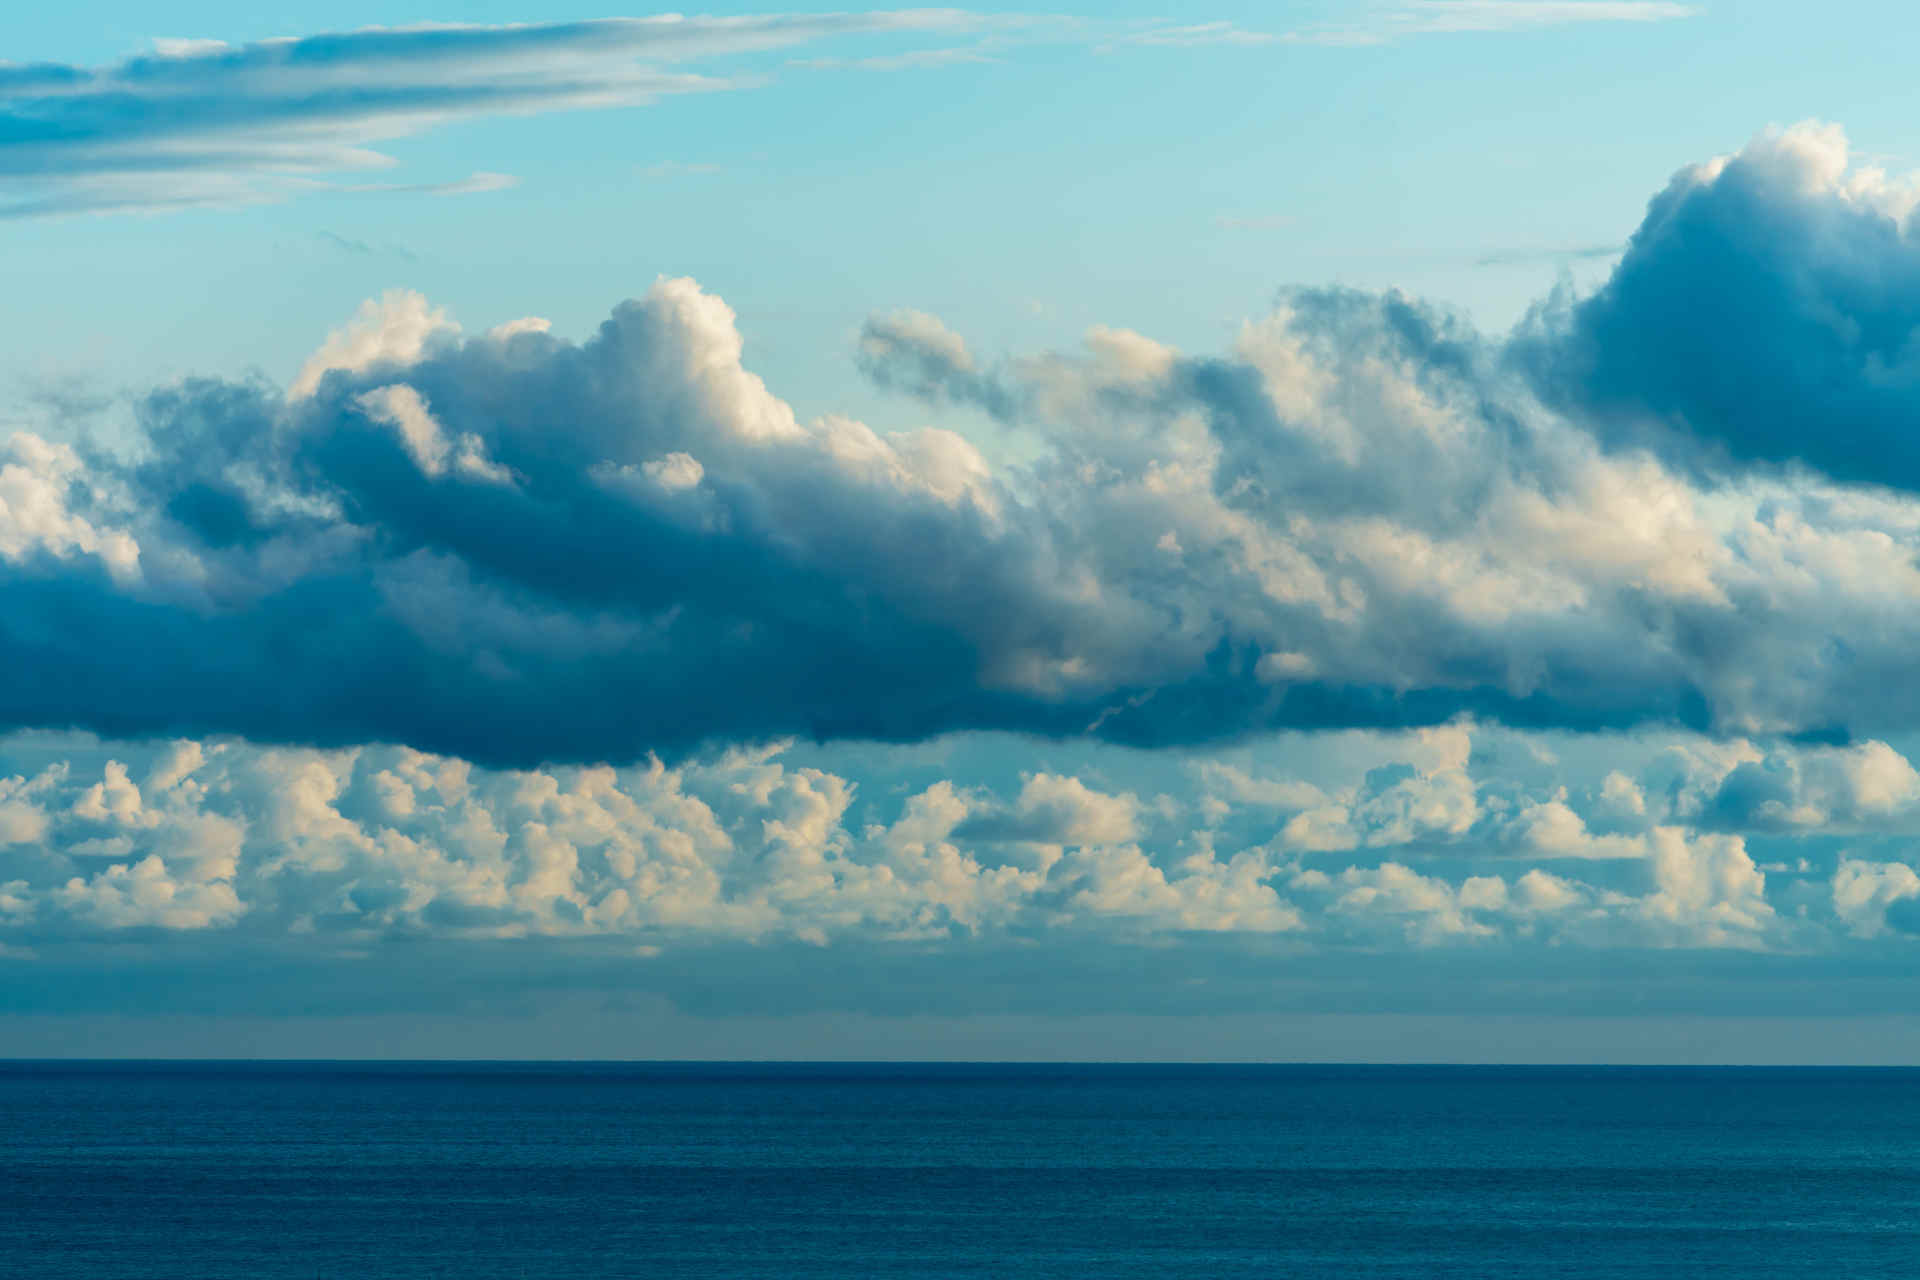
(629, 545)
(1764, 312)
(517, 548)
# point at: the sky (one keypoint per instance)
(1341, 531)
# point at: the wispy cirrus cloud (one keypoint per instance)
(1412, 18)
(199, 122)
(1526, 257)
(354, 245)
(1435, 17)
(1192, 35)
(472, 184)
(1509, 15)
(912, 60)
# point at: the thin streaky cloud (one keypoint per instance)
(1439, 17)
(469, 185)
(1530, 256)
(203, 122)
(1192, 36)
(909, 61)
(1510, 15)
(349, 244)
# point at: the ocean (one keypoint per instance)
(326, 1171)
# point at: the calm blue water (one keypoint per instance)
(309, 1170)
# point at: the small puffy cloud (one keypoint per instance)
(1862, 892)
(1621, 798)
(1425, 794)
(674, 472)
(145, 893)
(1427, 908)
(36, 515)
(1202, 894)
(1243, 788)
(1551, 828)
(1707, 890)
(113, 799)
(21, 822)
(1056, 810)
(1866, 786)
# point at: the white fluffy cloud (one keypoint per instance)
(1433, 838)
(36, 515)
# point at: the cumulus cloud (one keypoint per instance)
(376, 842)
(760, 846)
(517, 548)
(1055, 810)
(1863, 891)
(36, 514)
(1763, 313)
(394, 329)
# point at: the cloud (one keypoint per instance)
(1510, 15)
(1434, 17)
(1413, 18)
(1054, 810)
(395, 329)
(758, 844)
(1763, 313)
(472, 184)
(914, 352)
(910, 61)
(1192, 35)
(517, 548)
(785, 876)
(203, 122)
(1531, 257)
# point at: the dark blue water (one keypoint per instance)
(267, 1171)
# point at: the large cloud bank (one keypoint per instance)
(515, 549)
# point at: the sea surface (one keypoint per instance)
(318, 1171)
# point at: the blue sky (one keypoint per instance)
(1342, 530)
